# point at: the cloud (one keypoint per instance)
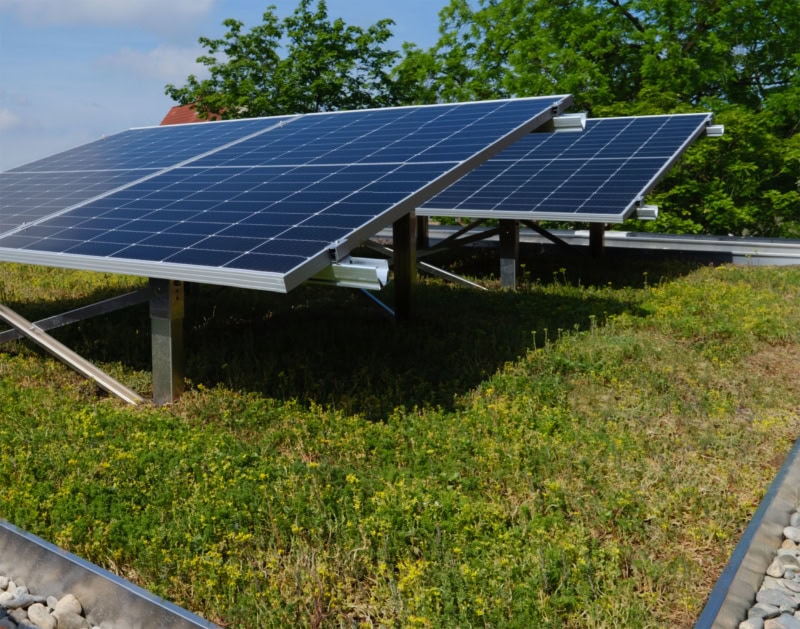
(151, 14)
(14, 99)
(8, 120)
(170, 64)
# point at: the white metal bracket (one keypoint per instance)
(569, 123)
(647, 212)
(352, 272)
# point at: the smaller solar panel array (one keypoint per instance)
(598, 175)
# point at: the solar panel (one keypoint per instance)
(55, 184)
(151, 147)
(599, 175)
(27, 196)
(261, 203)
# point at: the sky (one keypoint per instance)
(72, 71)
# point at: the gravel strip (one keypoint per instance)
(777, 603)
(21, 609)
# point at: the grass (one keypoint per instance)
(584, 452)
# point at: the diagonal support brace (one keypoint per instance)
(106, 306)
(68, 357)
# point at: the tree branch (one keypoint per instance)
(617, 4)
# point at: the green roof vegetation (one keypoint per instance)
(584, 452)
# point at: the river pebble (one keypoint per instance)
(778, 601)
(22, 609)
(784, 621)
(792, 533)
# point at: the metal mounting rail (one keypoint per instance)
(735, 591)
(428, 268)
(744, 250)
(67, 356)
(107, 600)
(112, 304)
(741, 250)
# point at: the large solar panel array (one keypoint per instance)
(599, 175)
(260, 203)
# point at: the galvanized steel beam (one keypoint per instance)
(405, 265)
(81, 314)
(509, 253)
(166, 321)
(68, 357)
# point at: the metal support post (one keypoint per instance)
(509, 253)
(166, 320)
(405, 265)
(597, 234)
(423, 238)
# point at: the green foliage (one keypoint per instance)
(597, 477)
(752, 189)
(736, 319)
(325, 65)
(640, 57)
(613, 51)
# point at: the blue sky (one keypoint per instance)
(72, 71)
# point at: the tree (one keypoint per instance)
(614, 51)
(746, 182)
(621, 57)
(326, 65)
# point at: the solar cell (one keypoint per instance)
(29, 196)
(56, 184)
(599, 175)
(150, 147)
(258, 203)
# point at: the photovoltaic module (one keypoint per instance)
(599, 175)
(260, 203)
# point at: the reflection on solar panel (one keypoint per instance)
(599, 175)
(54, 184)
(259, 203)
